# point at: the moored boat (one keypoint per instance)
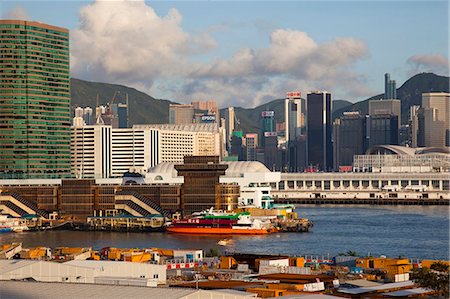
(11, 224)
(225, 223)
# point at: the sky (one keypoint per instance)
(246, 53)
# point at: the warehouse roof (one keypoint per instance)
(44, 290)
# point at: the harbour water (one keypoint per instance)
(409, 231)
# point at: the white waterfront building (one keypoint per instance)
(100, 151)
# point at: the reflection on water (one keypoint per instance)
(409, 231)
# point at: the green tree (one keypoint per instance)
(435, 278)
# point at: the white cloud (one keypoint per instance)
(126, 42)
(17, 13)
(429, 63)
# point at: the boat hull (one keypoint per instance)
(217, 231)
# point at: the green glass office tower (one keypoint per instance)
(34, 100)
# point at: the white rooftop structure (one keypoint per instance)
(245, 173)
(22, 289)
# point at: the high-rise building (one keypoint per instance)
(319, 130)
(294, 132)
(122, 113)
(34, 100)
(271, 159)
(251, 144)
(384, 107)
(237, 148)
(390, 89)
(181, 114)
(267, 124)
(413, 124)
(349, 138)
(88, 116)
(229, 126)
(293, 115)
(381, 129)
(435, 119)
(100, 151)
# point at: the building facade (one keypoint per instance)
(319, 130)
(390, 89)
(433, 120)
(201, 188)
(349, 138)
(251, 144)
(181, 114)
(34, 100)
(101, 151)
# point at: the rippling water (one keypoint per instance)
(408, 231)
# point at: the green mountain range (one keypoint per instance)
(146, 109)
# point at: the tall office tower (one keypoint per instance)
(267, 124)
(34, 100)
(251, 143)
(434, 119)
(293, 115)
(390, 89)
(88, 116)
(319, 129)
(237, 149)
(295, 131)
(182, 114)
(271, 151)
(122, 113)
(413, 124)
(384, 107)
(381, 129)
(349, 137)
(229, 126)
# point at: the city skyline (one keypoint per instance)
(233, 55)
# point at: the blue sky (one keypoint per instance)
(240, 53)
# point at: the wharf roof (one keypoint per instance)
(383, 287)
(361, 283)
(409, 292)
(44, 290)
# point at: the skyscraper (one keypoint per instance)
(34, 101)
(319, 128)
(295, 131)
(293, 115)
(267, 124)
(181, 114)
(122, 113)
(382, 129)
(349, 137)
(229, 126)
(251, 143)
(391, 106)
(433, 120)
(390, 89)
